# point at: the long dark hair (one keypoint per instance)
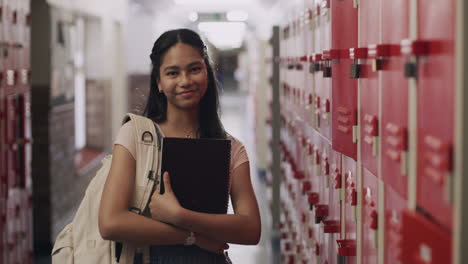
(210, 125)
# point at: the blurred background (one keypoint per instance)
(90, 66)
(352, 112)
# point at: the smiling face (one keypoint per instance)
(183, 77)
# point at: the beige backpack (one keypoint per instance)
(80, 241)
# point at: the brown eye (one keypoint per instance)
(196, 69)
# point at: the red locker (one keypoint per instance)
(395, 96)
(349, 170)
(3, 178)
(395, 204)
(24, 141)
(436, 82)
(331, 169)
(13, 253)
(369, 89)
(326, 82)
(10, 64)
(424, 242)
(13, 20)
(369, 217)
(11, 136)
(344, 89)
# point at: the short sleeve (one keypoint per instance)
(125, 137)
(238, 154)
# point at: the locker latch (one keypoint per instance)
(321, 212)
(331, 226)
(413, 51)
(356, 54)
(346, 248)
(313, 199)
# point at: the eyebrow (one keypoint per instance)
(174, 67)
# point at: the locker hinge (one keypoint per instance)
(449, 187)
(355, 134)
(355, 3)
(404, 162)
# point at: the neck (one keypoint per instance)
(183, 121)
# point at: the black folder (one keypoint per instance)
(199, 172)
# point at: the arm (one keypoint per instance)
(117, 223)
(243, 227)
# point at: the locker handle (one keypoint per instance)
(306, 187)
(309, 149)
(346, 247)
(358, 53)
(353, 197)
(414, 47)
(334, 54)
(317, 57)
(388, 50)
(337, 176)
(331, 226)
(326, 106)
(15, 17)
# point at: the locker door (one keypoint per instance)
(424, 242)
(326, 93)
(11, 141)
(349, 171)
(333, 225)
(369, 217)
(395, 204)
(436, 81)
(3, 177)
(369, 90)
(12, 227)
(322, 99)
(344, 89)
(8, 47)
(24, 141)
(309, 67)
(394, 96)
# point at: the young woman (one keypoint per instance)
(183, 102)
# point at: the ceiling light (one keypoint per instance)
(193, 16)
(237, 15)
(224, 35)
(208, 2)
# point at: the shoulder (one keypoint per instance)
(238, 152)
(126, 137)
(235, 143)
(126, 130)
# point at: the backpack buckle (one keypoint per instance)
(151, 175)
(135, 210)
(147, 137)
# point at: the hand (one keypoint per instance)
(165, 207)
(210, 245)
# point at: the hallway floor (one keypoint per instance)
(236, 120)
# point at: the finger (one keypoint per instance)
(157, 187)
(167, 182)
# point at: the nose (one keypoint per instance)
(185, 79)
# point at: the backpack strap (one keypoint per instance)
(148, 145)
(148, 159)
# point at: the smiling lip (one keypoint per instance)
(188, 92)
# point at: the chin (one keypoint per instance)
(188, 105)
